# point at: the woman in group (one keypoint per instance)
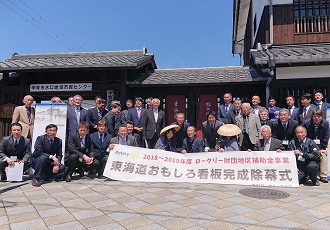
(229, 142)
(166, 140)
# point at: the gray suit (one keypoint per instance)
(130, 141)
(274, 145)
(71, 123)
(253, 130)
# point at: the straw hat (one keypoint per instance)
(229, 130)
(175, 127)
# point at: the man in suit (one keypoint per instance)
(273, 110)
(124, 113)
(122, 138)
(96, 114)
(318, 130)
(225, 108)
(256, 104)
(112, 118)
(149, 103)
(284, 128)
(14, 148)
(81, 153)
(250, 125)
(130, 128)
(307, 156)
(318, 97)
(307, 108)
(154, 122)
(100, 143)
(182, 132)
(192, 144)
(25, 115)
(290, 100)
(137, 116)
(264, 117)
(47, 155)
(75, 115)
(268, 143)
(237, 110)
(209, 130)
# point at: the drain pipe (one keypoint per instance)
(271, 61)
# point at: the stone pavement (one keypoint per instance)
(106, 204)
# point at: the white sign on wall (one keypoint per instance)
(61, 87)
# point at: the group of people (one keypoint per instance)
(93, 133)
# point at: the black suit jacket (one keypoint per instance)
(232, 115)
(93, 118)
(222, 115)
(100, 150)
(42, 147)
(322, 131)
(301, 118)
(274, 145)
(278, 130)
(209, 137)
(150, 125)
(23, 151)
(76, 147)
(113, 122)
(197, 145)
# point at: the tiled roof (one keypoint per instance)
(107, 59)
(216, 75)
(294, 53)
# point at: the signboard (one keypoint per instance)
(247, 168)
(50, 114)
(61, 87)
(7, 110)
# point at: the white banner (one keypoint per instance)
(50, 114)
(246, 168)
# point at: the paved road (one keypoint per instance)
(106, 204)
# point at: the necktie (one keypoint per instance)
(302, 146)
(266, 148)
(212, 129)
(15, 146)
(100, 115)
(78, 115)
(305, 113)
(290, 111)
(51, 145)
(28, 112)
(226, 108)
(122, 141)
(319, 105)
(139, 113)
(284, 128)
(101, 139)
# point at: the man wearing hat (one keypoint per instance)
(192, 144)
(268, 143)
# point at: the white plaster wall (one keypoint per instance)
(303, 72)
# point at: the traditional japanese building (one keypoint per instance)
(289, 40)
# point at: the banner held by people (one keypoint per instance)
(247, 168)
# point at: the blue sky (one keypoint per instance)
(180, 33)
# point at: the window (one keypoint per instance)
(312, 16)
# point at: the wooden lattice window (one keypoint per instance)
(312, 16)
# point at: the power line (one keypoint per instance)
(57, 38)
(40, 17)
